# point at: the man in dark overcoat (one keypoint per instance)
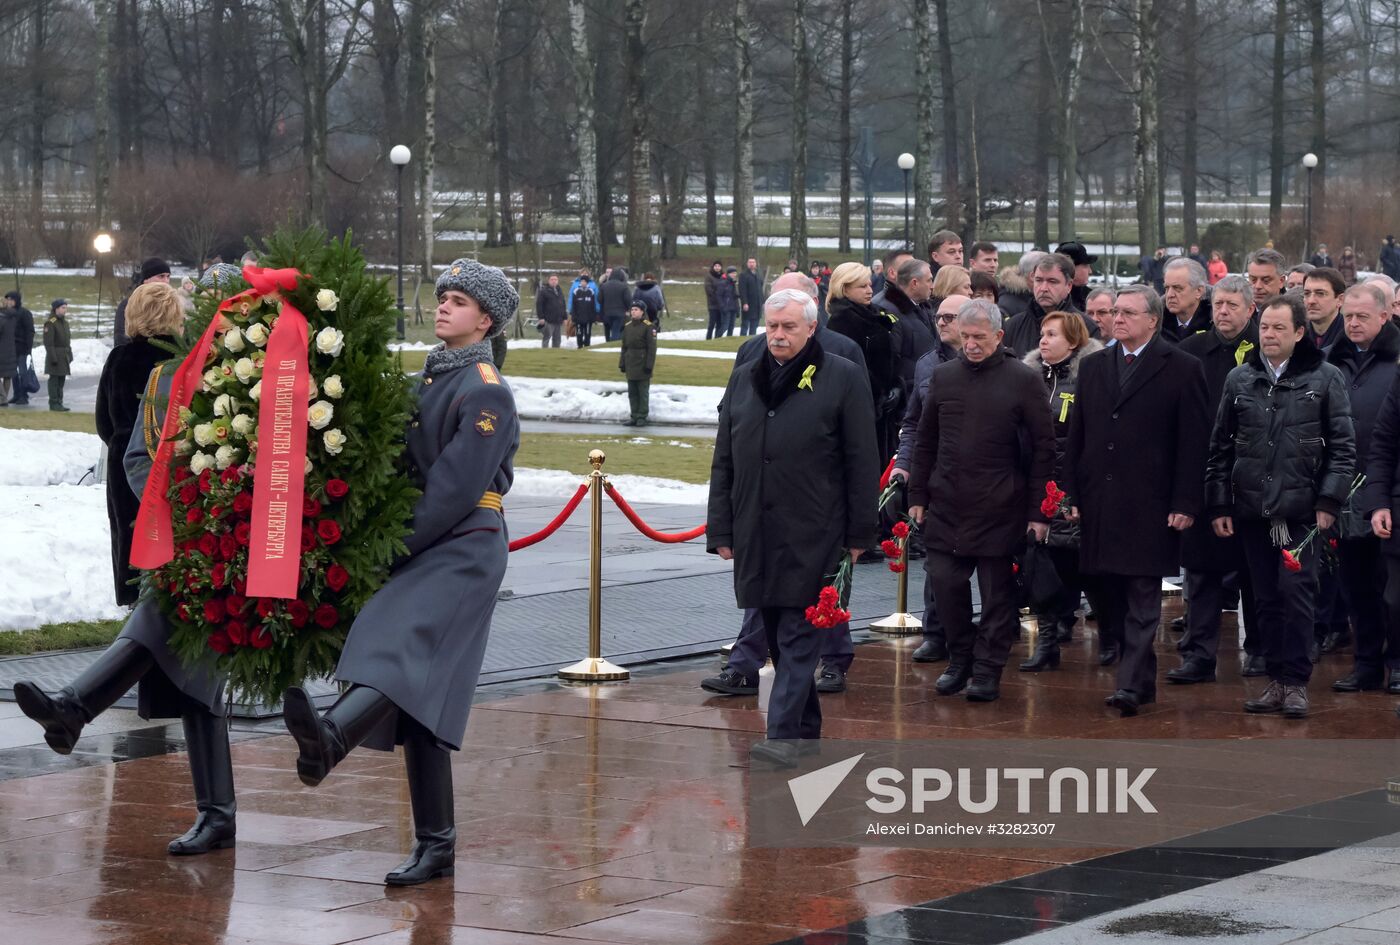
(414, 653)
(793, 488)
(1133, 471)
(982, 456)
(1213, 564)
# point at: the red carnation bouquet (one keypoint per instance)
(1293, 558)
(830, 608)
(1055, 501)
(894, 548)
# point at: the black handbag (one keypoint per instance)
(1037, 580)
(26, 381)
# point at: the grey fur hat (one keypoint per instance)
(490, 287)
(220, 276)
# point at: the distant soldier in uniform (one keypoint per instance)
(414, 653)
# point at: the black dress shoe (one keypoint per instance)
(1392, 682)
(777, 753)
(1254, 665)
(1357, 682)
(1124, 701)
(1192, 671)
(983, 690)
(1178, 625)
(1108, 655)
(831, 680)
(1046, 656)
(428, 861)
(953, 680)
(1335, 641)
(731, 682)
(931, 651)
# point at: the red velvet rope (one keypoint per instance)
(553, 526)
(641, 526)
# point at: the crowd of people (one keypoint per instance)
(1069, 442)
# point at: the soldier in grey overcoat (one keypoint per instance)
(166, 688)
(792, 487)
(414, 653)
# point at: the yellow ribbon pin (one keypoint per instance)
(806, 381)
(1065, 401)
(1244, 349)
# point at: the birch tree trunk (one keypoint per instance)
(38, 114)
(923, 223)
(952, 192)
(707, 154)
(843, 121)
(1145, 23)
(639, 249)
(1190, 91)
(1069, 118)
(1276, 120)
(427, 161)
(801, 93)
(744, 235)
(500, 132)
(585, 136)
(101, 178)
(1317, 61)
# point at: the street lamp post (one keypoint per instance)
(400, 155)
(1310, 162)
(906, 164)
(102, 243)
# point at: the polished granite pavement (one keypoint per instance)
(614, 814)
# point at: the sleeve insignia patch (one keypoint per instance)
(486, 423)
(488, 373)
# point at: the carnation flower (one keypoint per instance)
(255, 391)
(326, 301)
(319, 414)
(244, 370)
(225, 456)
(330, 340)
(261, 638)
(219, 642)
(199, 462)
(333, 441)
(243, 424)
(298, 612)
(204, 435)
(256, 333)
(223, 405)
(332, 386)
(233, 340)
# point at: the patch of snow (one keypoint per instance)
(539, 398)
(46, 458)
(56, 560)
(561, 484)
(89, 354)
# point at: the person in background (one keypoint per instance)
(750, 297)
(984, 286)
(1265, 270)
(983, 258)
(1083, 270)
(945, 248)
(1322, 300)
(950, 280)
(1187, 300)
(24, 342)
(1347, 265)
(583, 276)
(877, 276)
(1293, 280)
(58, 352)
(1321, 259)
(614, 299)
(728, 294)
(550, 312)
(636, 361)
(9, 361)
(713, 278)
(822, 277)
(852, 315)
(154, 269)
(1390, 259)
(583, 304)
(1098, 309)
(649, 291)
(1197, 256)
(1216, 268)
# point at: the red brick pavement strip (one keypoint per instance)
(604, 815)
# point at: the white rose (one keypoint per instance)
(330, 341)
(233, 339)
(183, 447)
(333, 441)
(257, 334)
(326, 301)
(212, 378)
(311, 392)
(243, 424)
(319, 414)
(308, 465)
(200, 462)
(225, 456)
(332, 386)
(204, 434)
(255, 391)
(223, 405)
(244, 369)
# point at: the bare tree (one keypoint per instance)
(101, 170)
(801, 95)
(1276, 118)
(639, 248)
(1317, 62)
(923, 142)
(585, 137)
(744, 232)
(1190, 93)
(1145, 26)
(1067, 94)
(952, 196)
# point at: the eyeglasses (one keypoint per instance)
(1125, 313)
(945, 319)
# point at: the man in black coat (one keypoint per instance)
(984, 452)
(906, 299)
(1186, 300)
(24, 342)
(1083, 268)
(1051, 283)
(793, 487)
(154, 269)
(614, 299)
(750, 298)
(1133, 462)
(1322, 300)
(550, 311)
(1282, 456)
(1213, 564)
(1366, 355)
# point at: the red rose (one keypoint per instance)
(214, 610)
(337, 577)
(182, 473)
(208, 544)
(336, 488)
(173, 587)
(237, 631)
(308, 539)
(298, 612)
(242, 533)
(235, 604)
(242, 503)
(328, 530)
(310, 507)
(188, 493)
(206, 482)
(219, 574)
(193, 516)
(327, 616)
(219, 641)
(229, 475)
(261, 638)
(216, 511)
(240, 586)
(267, 606)
(228, 546)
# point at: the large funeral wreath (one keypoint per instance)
(356, 505)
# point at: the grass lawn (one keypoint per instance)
(20, 418)
(647, 454)
(59, 636)
(584, 364)
(730, 343)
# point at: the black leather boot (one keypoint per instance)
(324, 740)
(211, 770)
(64, 714)
(1047, 652)
(429, 768)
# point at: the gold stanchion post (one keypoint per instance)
(900, 623)
(594, 668)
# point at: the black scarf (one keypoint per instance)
(774, 382)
